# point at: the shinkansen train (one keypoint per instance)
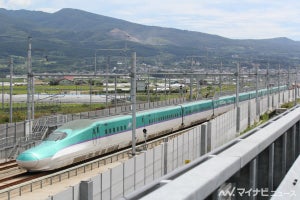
(82, 139)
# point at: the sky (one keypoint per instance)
(235, 19)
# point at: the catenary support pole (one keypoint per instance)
(11, 91)
(237, 98)
(29, 86)
(133, 101)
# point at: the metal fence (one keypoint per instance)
(12, 133)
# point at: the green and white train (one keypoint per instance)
(81, 139)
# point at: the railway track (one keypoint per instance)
(7, 165)
(16, 179)
(8, 170)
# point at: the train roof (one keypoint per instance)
(147, 112)
(195, 103)
(77, 124)
(88, 122)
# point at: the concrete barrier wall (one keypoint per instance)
(223, 129)
(244, 113)
(252, 111)
(263, 105)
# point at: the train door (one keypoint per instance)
(95, 134)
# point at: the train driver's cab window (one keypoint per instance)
(55, 136)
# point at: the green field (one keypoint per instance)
(46, 109)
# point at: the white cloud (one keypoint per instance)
(48, 10)
(229, 18)
(18, 3)
(2, 4)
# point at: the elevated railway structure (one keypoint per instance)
(192, 146)
(250, 167)
(225, 165)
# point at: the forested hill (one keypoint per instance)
(71, 34)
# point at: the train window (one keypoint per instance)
(124, 127)
(55, 136)
(114, 130)
(105, 131)
(97, 129)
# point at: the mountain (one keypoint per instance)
(69, 39)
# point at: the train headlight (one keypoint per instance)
(27, 160)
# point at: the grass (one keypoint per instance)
(265, 117)
(262, 119)
(46, 109)
(20, 110)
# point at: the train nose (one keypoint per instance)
(27, 160)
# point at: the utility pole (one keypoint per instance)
(90, 93)
(237, 74)
(106, 80)
(133, 101)
(11, 91)
(289, 83)
(296, 88)
(256, 91)
(289, 80)
(95, 67)
(237, 98)
(191, 88)
(29, 86)
(268, 83)
(165, 87)
(148, 88)
(278, 84)
(256, 83)
(198, 87)
(116, 100)
(2, 93)
(220, 78)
